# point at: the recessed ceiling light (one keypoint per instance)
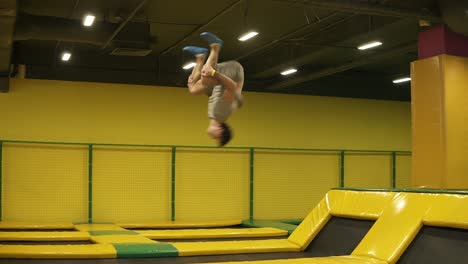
(406, 79)
(370, 45)
(88, 20)
(289, 71)
(189, 65)
(248, 35)
(66, 56)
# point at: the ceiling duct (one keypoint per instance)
(134, 40)
(8, 10)
(455, 15)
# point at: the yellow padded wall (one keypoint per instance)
(439, 115)
(131, 184)
(45, 183)
(364, 170)
(289, 185)
(427, 130)
(212, 184)
(456, 114)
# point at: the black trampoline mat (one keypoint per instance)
(434, 245)
(339, 237)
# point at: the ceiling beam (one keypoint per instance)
(408, 47)
(122, 25)
(202, 27)
(332, 19)
(368, 9)
(321, 53)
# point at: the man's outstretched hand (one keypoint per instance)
(207, 70)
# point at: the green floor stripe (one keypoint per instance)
(112, 232)
(265, 223)
(146, 250)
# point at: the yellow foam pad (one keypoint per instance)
(323, 260)
(97, 227)
(234, 247)
(396, 227)
(120, 239)
(26, 225)
(183, 224)
(311, 225)
(448, 210)
(44, 236)
(58, 251)
(358, 204)
(213, 233)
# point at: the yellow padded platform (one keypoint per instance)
(353, 204)
(358, 204)
(58, 251)
(35, 226)
(183, 224)
(448, 211)
(311, 225)
(322, 260)
(121, 239)
(234, 247)
(396, 228)
(213, 233)
(44, 236)
(97, 227)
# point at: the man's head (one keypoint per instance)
(221, 132)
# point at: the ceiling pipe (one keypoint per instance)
(201, 28)
(370, 9)
(122, 25)
(408, 47)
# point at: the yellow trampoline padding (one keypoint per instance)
(121, 239)
(448, 210)
(396, 227)
(234, 247)
(311, 225)
(358, 204)
(97, 227)
(44, 236)
(322, 260)
(58, 251)
(36, 226)
(213, 233)
(183, 224)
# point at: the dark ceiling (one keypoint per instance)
(319, 38)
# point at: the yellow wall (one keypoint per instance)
(134, 184)
(117, 113)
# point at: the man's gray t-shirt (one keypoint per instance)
(218, 108)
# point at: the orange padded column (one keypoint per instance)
(439, 92)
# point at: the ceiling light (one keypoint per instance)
(66, 56)
(248, 35)
(88, 20)
(289, 71)
(189, 65)
(370, 45)
(406, 79)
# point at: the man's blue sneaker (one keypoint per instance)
(211, 38)
(195, 50)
